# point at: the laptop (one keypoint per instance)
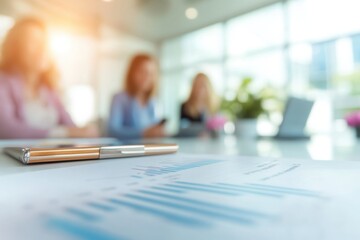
(295, 117)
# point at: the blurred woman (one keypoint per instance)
(132, 113)
(201, 103)
(29, 103)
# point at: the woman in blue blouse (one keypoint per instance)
(132, 114)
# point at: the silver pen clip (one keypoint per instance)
(121, 151)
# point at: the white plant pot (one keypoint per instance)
(246, 128)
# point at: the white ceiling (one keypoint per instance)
(154, 20)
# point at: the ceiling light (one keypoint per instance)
(191, 13)
(107, 1)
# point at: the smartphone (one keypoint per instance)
(30, 155)
(163, 121)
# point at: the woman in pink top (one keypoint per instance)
(29, 103)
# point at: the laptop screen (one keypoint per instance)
(295, 117)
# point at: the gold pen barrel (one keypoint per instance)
(155, 149)
(39, 155)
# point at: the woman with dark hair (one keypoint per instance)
(132, 113)
(29, 103)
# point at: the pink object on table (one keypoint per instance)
(353, 119)
(216, 123)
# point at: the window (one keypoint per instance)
(69, 50)
(255, 31)
(203, 45)
(319, 20)
(311, 48)
(265, 68)
(5, 24)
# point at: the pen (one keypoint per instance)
(60, 154)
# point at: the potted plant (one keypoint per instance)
(246, 106)
(353, 120)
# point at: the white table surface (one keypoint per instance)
(318, 148)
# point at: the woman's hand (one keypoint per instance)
(155, 131)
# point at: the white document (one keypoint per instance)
(184, 197)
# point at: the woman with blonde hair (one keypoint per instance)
(30, 106)
(202, 102)
(132, 114)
